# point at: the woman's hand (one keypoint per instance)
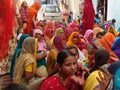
(77, 80)
(82, 67)
(41, 55)
(103, 80)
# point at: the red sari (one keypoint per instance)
(54, 83)
(88, 16)
(7, 22)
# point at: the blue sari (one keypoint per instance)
(114, 70)
(116, 46)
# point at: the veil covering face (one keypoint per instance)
(7, 22)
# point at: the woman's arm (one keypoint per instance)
(41, 55)
(103, 80)
(29, 72)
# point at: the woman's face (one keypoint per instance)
(63, 41)
(90, 36)
(39, 36)
(75, 40)
(69, 67)
(75, 53)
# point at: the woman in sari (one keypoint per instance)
(101, 59)
(57, 32)
(32, 14)
(60, 44)
(42, 43)
(107, 46)
(89, 36)
(61, 80)
(88, 16)
(96, 29)
(74, 39)
(110, 35)
(17, 52)
(49, 31)
(116, 46)
(112, 30)
(25, 70)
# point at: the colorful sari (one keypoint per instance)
(67, 32)
(49, 30)
(26, 57)
(97, 29)
(109, 38)
(112, 30)
(27, 62)
(91, 82)
(54, 83)
(88, 16)
(116, 46)
(52, 56)
(17, 52)
(32, 14)
(70, 39)
(104, 44)
(41, 43)
(82, 44)
(114, 70)
(57, 32)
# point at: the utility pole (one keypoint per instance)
(105, 9)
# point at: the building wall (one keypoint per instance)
(113, 11)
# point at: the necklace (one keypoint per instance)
(63, 80)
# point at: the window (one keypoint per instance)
(52, 9)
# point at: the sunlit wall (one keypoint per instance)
(114, 11)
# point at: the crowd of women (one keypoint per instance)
(55, 55)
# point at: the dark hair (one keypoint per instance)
(113, 20)
(96, 16)
(62, 56)
(101, 57)
(72, 47)
(15, 86)
(99, 33)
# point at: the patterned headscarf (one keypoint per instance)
(86, 35)
(58, 42)
(70, 39)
